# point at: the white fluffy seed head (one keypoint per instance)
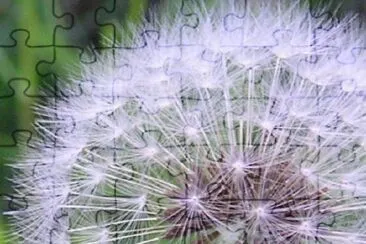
(240, 122)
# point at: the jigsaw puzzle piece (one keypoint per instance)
(37, 19)
(84, 25)
(14, 103)
(53, 67)
(22, 59)
(113, 15)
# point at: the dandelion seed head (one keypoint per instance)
(245, 127)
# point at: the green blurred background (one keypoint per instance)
(41, 39)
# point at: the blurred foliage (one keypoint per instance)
(18, 58)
